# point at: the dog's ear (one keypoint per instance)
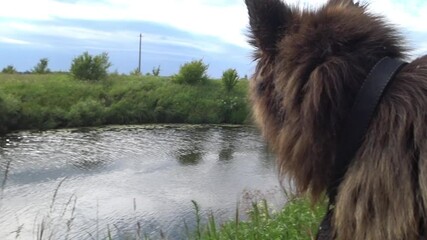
(269, 20)
(345, 3)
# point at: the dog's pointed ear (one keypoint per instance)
(269, 20)
(345, 3)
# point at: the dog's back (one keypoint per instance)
(385, 190)
(310, 66)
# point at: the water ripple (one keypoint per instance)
(109, 171)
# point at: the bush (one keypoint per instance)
(229, 79)
(87, 67)
(9, 70)
(9, 112)
(192, 73)
(56, 100)
(135, 72)
(41, 67)
(88, 112)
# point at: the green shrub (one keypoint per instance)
(9, 69)
(229, 79)
(233, 110)
(9, 113)
(91, 68)
(192, 73)
(115, 73)
(88, 112)
(37, 116)
(32, 101)
(41, 67)
(135, 72)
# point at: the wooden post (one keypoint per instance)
(140, 43)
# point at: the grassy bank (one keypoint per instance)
(58, 101)
(298, 220)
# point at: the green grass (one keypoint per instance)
(298, 220)
(57, 101)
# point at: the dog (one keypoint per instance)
(310, 65)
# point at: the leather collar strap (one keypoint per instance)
(360, 117)
(355, 128)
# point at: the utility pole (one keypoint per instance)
(140, 43)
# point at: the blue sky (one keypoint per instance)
(174, 31)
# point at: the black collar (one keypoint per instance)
(356, 126)
(360, 117)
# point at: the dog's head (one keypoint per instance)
(310, 65)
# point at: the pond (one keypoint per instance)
(129, 180)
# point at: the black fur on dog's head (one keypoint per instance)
(310, 65)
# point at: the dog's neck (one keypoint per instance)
(355, 128)
(359, 118)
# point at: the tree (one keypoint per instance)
(192, 73)
(156, 71)
(229, 79)
(10, 69)
(41, 67)
(90, 68)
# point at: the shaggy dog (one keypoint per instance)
(310, 66)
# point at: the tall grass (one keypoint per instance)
(298, 220)
(58, 101)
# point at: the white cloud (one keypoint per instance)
(63, 31)
(13, 41)
(204, 46)
(409, 15)
(421, 51)
(97, 36)
(225, 19)
(225, 22)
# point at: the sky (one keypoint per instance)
(174, 32)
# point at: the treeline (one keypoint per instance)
(47, 101)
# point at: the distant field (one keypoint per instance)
(57, 100)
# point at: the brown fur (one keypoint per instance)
(310, 65)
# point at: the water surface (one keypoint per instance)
(128, 179)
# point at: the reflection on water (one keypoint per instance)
(127, 178)
(189, 156)
(228, 140)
